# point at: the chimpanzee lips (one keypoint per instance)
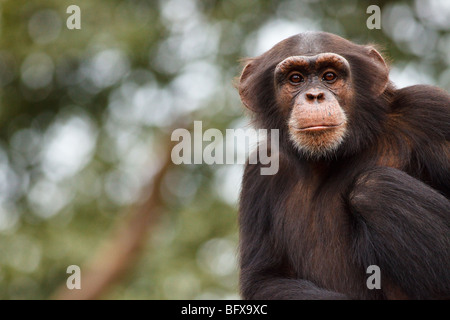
(318, 127)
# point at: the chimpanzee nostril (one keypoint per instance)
(310, 96)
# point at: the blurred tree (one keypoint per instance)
(86, 116)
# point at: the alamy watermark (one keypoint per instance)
(374, 21)
(74, 20)
(374, 280)
(190, 149)
(74, 280)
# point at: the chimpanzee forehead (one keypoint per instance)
(310, 44)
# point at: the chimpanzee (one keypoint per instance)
(364, 177)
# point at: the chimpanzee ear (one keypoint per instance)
(245, 85)
(381, 70)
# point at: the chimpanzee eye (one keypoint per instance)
(329, 76)
(296, 78)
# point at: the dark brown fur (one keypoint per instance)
(311, 230)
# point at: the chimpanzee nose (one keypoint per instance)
(315, 95)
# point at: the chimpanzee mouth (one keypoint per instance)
(318, 141)
(318, 127)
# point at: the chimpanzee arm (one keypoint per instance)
(403, 225)
(263, 273)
